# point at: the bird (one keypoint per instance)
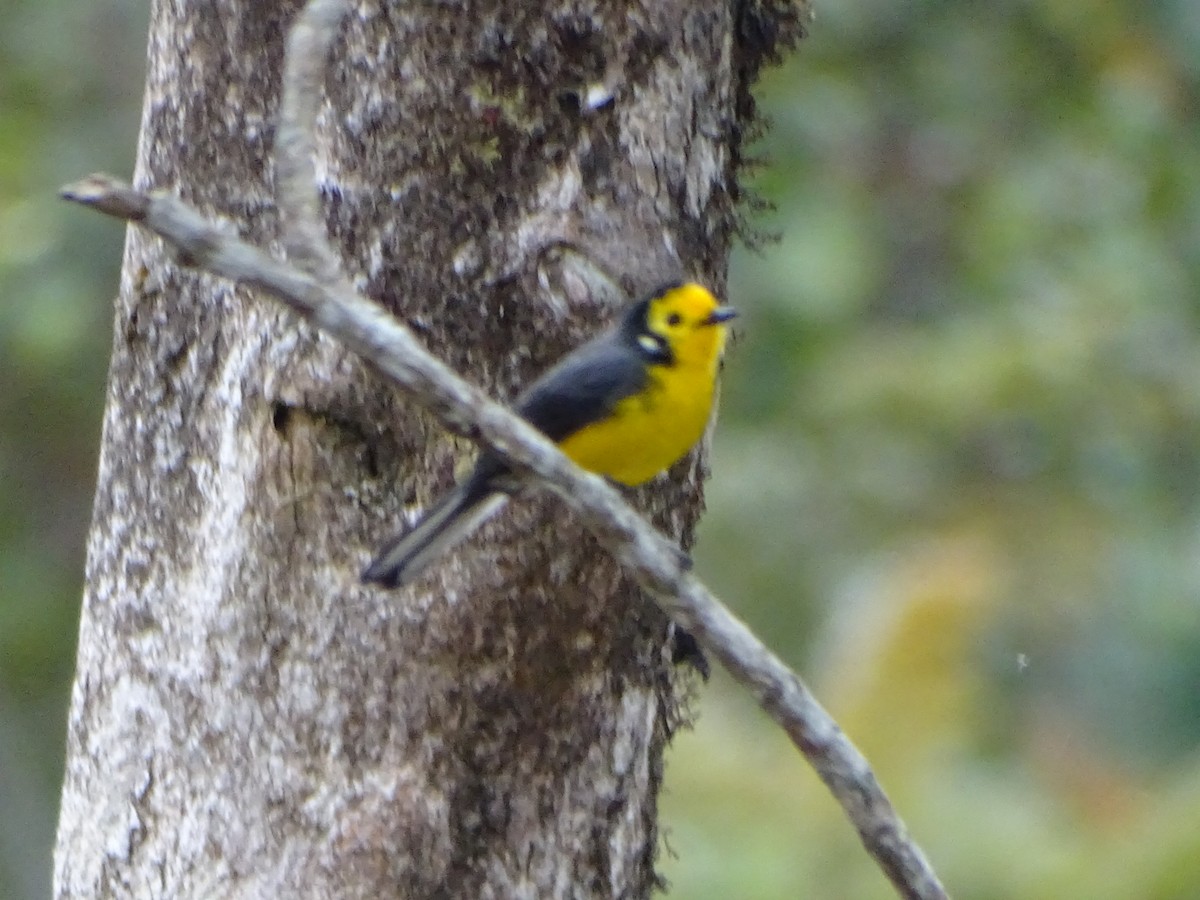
(626, 405)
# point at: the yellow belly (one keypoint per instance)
(647, 433)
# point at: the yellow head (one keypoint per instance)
(682, 324)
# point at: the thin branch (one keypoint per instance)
(649, 555)
(320, 294)
(308, 43)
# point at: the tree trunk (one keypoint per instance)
(247, 719)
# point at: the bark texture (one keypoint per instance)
(247, 720)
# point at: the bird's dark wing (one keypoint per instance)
(580, 389)
(583, 388)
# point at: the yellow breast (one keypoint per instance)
(657, 426)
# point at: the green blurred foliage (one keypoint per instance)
(956, 479)
(956, 475)
(70, 94)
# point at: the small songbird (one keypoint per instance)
(626, 405)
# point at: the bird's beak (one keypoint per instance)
(721, 314)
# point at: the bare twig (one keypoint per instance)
(381, 340)
(308, 44)
(320, 294)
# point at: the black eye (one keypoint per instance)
(674, 319)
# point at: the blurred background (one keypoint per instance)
(956, 478)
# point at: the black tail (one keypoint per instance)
(406, 556)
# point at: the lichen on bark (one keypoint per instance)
(247, 720)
